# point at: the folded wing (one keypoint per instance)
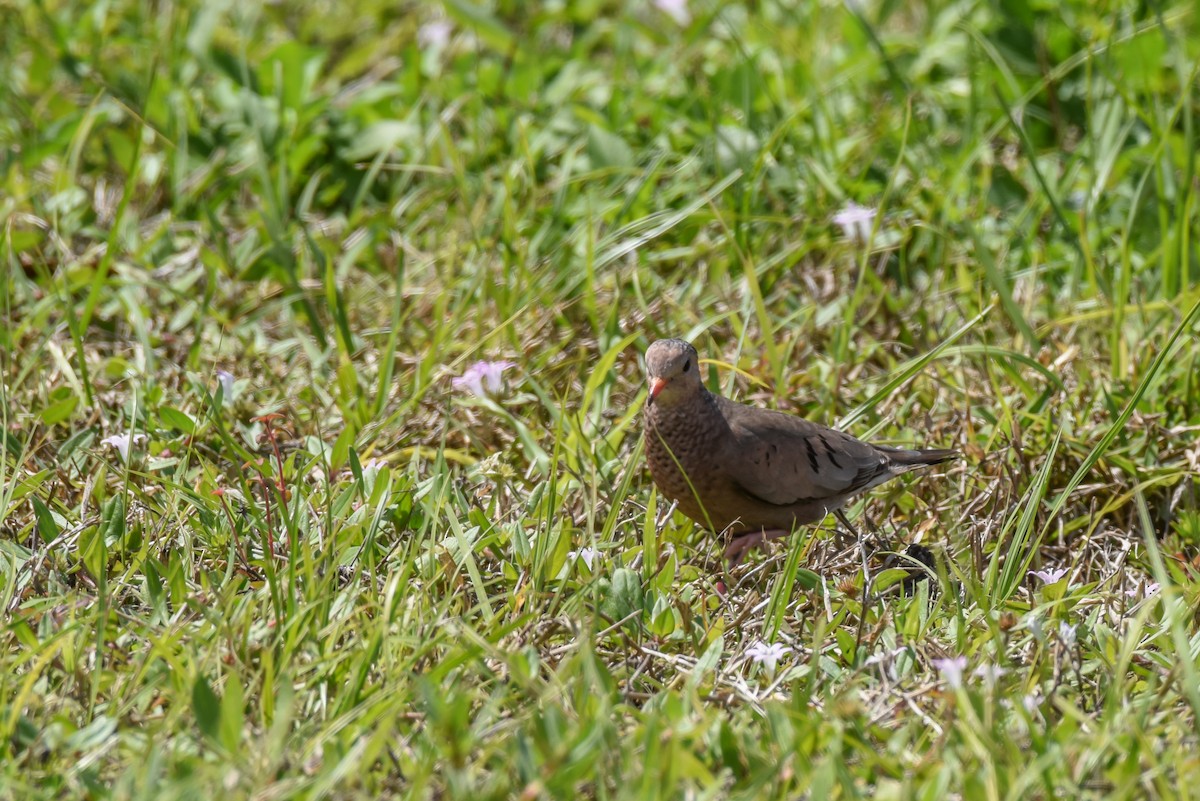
(785, 460)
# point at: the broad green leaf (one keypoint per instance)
(62, 403)
(177, 420)
(624, 594)
(47, 527)
(207, 708)
(232, 713)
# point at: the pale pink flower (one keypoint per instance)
(767, 655)
(225, 379)
(483, 378)
(676, 10)
(951, 669)
(588, 555)
(1049, 576)
(434, 35)
(989, 672)
(855, 221)
(1137, 592)
(123, 442)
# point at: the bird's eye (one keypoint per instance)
(687, 365)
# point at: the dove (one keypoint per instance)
(754, 473)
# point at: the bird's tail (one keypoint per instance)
(909, 459)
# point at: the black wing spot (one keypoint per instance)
(812, 456)
(829, 452)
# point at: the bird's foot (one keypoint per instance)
(744, 543)
(841, 516)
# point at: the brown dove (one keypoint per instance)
(755, 473)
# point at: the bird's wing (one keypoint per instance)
(783, 460)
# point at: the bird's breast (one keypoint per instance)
(683, 451)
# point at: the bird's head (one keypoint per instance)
(673, 371)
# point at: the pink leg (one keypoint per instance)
(743, 544)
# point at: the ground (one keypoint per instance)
(270, 530)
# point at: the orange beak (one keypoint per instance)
(656, 386)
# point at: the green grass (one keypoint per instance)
(349, 578)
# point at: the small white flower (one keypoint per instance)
(122, 443)
(588, 555)
(951, 669)
(434, 35)
(483, 378)
(1031, 702)
(855, 221)
(767, 655)
(1049, 576)
(225, 379)
(676, 10)
(990, 673)
(1066, 633)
